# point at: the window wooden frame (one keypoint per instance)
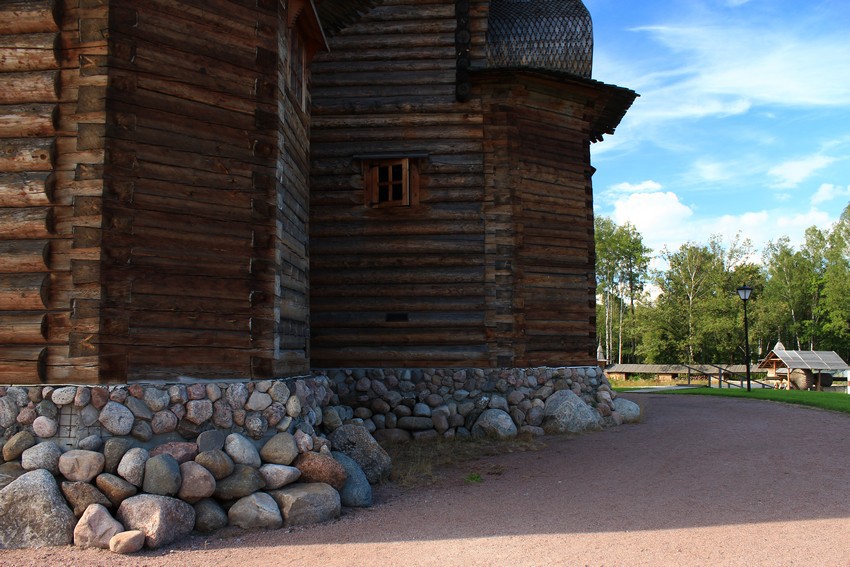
(391, 181)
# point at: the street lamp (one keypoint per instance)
(744, 293)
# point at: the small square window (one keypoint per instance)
(391, 182)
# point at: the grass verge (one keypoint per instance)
(834, 401)
(416, 464)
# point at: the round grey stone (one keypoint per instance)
(116, 418)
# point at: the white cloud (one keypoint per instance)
(644, 186)
(791, 173)
(713, 171)
(659, 217)
(829, 192)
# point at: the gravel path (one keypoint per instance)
(701, 481)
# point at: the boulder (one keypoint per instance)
(242, 450)
(356, 492)
(494, 424)
(278, 476)
(565, 412)
(96, 528)
(42, 456)
(10, 472)
(304, 504)
(132, 466)
(81, 466)
(162, 519)
(34, 514)
(114, 450)
(116, 418)
(44, 427)
(280, 449)
(244, 481)
(17, 444)
(356, 442)
(209, 440)
(162, 475)
(217, 462)
(81, 495)
(182, 451)
(198, 483)
(255, 511)
(127, 542)
(209, 516)
(628, 410)
(319, 467)
(115, 488)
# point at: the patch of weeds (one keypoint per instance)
(417, 464)
(473, 478)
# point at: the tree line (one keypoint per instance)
(689, 311)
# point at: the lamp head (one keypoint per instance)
(744, 292)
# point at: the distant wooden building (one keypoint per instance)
(155, 187)
(451, 197)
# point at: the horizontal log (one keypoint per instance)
(24, 256)
(27, 292)
(27, 154)
(33, 52)
(29, 16)
(28, 223)
(34, 86)
(23, 328)
(23, 365)
(28, 120)
(26, 189)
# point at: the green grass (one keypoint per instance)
(834, 401)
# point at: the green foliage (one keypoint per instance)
(622, 270)
(801, 296)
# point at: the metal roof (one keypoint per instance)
(805, 359)
(712, 369)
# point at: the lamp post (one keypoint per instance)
(744, 293)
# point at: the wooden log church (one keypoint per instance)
(251, 188)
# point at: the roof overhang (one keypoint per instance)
(305, 15)
(804, 359)
(610, 101)
(338, 14)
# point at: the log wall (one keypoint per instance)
(49, 199)
(495, 265)
(540, 207)
(152, 216)
(397, 286)
(202, 226)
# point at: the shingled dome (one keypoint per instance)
(555, 35)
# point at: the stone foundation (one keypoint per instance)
(143, 450)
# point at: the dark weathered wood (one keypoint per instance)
(35, 86)
(32, 52)
(34, 222)
(27, 292)
(23, 328)
(28, 120)
(29, 16)
(23, 365)
(23, 256)
(26, 189)
(27, 154)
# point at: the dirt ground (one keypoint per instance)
(701, 481)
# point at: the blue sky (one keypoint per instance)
(743, 124)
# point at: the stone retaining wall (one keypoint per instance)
(146, 451)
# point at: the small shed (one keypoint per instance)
(802, 369)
